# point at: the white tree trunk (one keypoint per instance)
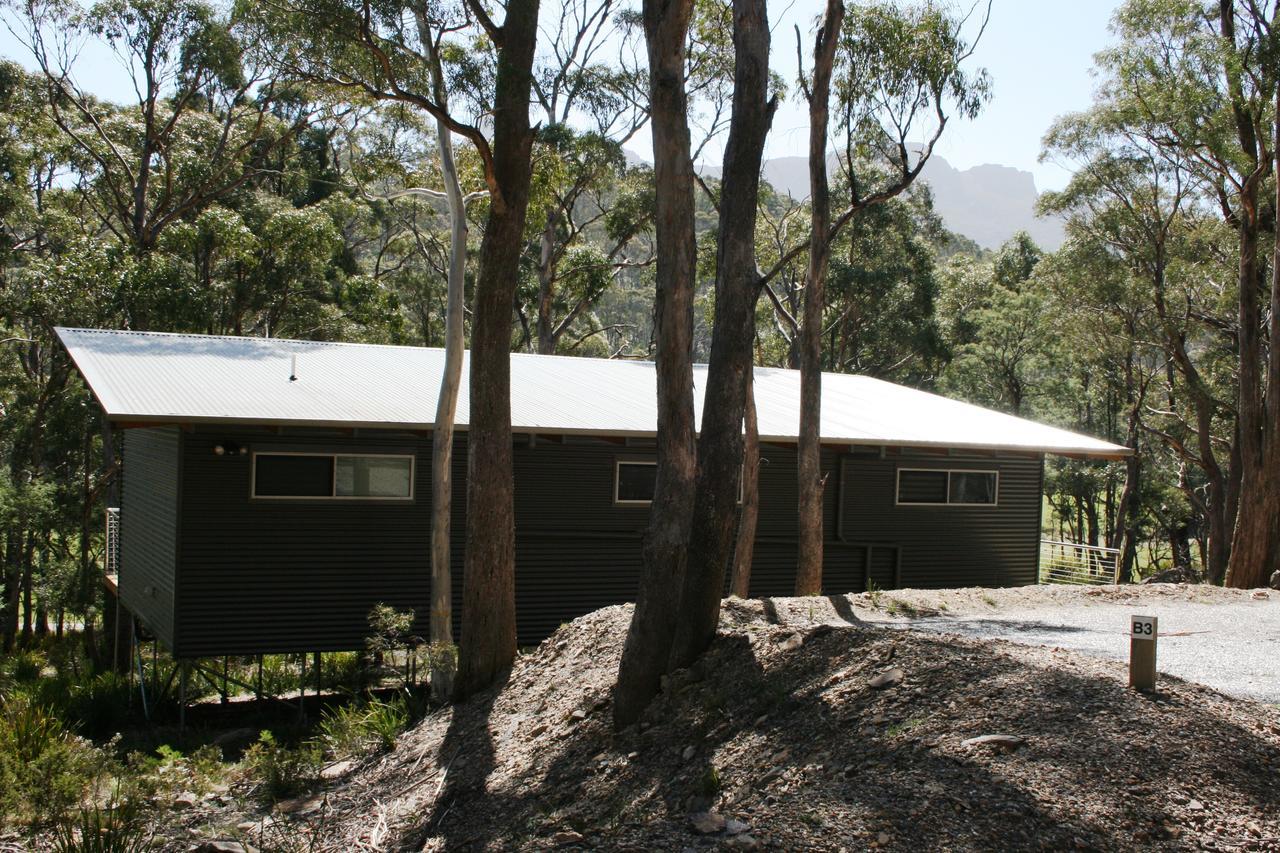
(443, 662)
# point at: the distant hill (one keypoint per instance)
(988, 203)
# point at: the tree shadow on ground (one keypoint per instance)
(840, 604)
(861, 761)
(469, 757)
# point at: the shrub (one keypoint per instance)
(341, 730)
(282, 771)
(384, 721)
(26, 667)
(44, 769)
(112, 828)
(359, 728)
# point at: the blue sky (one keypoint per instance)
(1039, 54)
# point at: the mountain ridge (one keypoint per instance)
(988, 203)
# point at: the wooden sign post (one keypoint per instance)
(1142, 652)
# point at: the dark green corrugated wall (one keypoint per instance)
(274, 576)
(149, 528)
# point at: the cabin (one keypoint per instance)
(274, 491)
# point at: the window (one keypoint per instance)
(323, 476)
(634, 482)
(934, 487)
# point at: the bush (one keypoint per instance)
(384, 721)
(341, 730)
(44, 769)
(282, 771)
(113, 828)
(26, 667)
(359, 728)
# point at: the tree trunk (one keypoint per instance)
(745, 547)
(644, 655)
(809, 448)
(737, 289)
(545, 328)
(1253, 545)
(28, 566)
(12, 587)
(442, 665)
(488, 588)
(1127, 519)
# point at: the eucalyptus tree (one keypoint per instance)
(383, 52)
(202, 124)
(1005, 353)
(646, 650)
(719, 451)
(1137, 201)
(591, 212)
(894, 69)
(1203, 82)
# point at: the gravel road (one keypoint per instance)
(1226, 639)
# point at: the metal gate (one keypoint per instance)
(1071, 562)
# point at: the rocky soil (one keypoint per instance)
(801, 729)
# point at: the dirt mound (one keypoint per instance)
(820, 737)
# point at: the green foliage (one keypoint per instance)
(282, 771)
(44, 768)
(710, 784)
(111, 828)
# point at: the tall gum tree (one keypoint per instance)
(648, 643)
(719, 453)
(488, 586)
(893, 67)
(1127, 198)
(374, 50)
(1202, 83)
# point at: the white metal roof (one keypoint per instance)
(150, 377)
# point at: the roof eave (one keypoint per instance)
(133, 420)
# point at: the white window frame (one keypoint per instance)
(617, 479)
(617, 476)
(333, 485)
(897, 486)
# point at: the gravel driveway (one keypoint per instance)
(1226, 639)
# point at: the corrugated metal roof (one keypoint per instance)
(150, 377)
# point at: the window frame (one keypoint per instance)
(897, 487)
(333, 483)
(617, 472)
(617, 481)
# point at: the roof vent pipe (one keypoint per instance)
(293, 368)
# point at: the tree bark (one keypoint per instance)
(545, 328)
(441, 626)
(737, 289)
(809, 448)
(12, 588)
(648, 643)
(745, 547)
(1257, 525)
(488, 589)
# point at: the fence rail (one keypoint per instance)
(1072, 562)
(111, 556)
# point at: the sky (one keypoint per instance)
(1039, 54)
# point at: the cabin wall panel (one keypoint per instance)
(267, 575)
(149, 527)
(273, 576)
(949, 546)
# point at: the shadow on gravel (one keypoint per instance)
(797, 744)
(840, 604)
(468, 753)
(991, 627)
